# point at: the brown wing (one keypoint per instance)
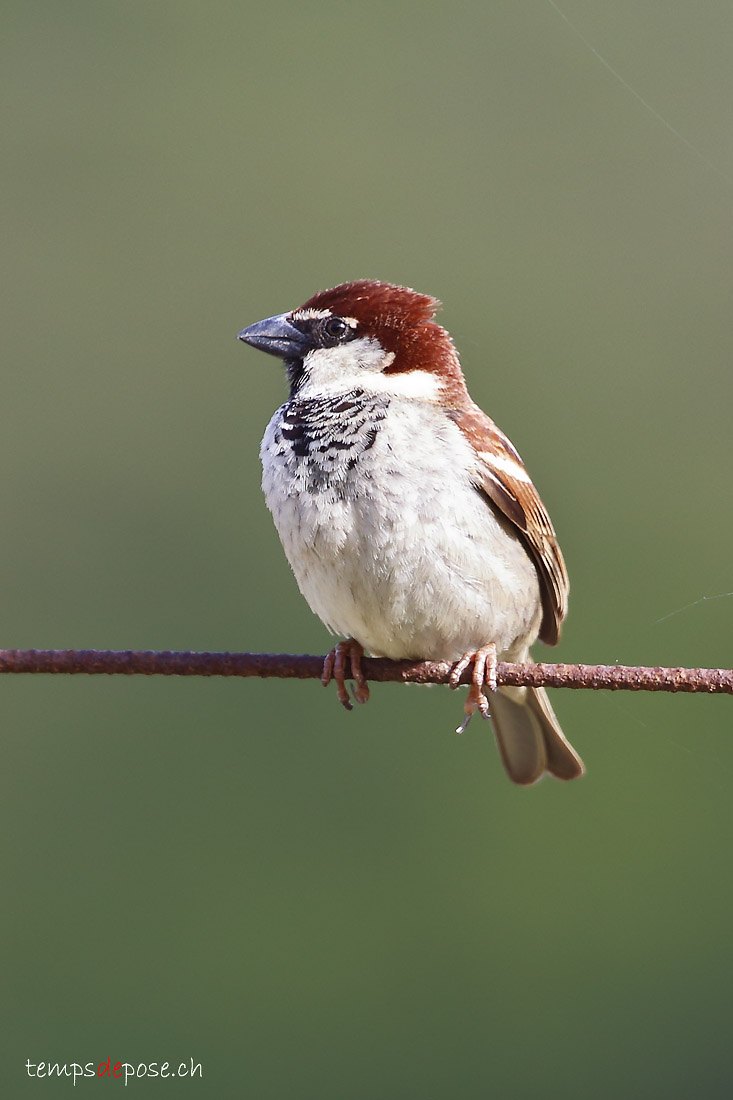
(502, 476)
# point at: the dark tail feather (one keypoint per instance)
(530, 739)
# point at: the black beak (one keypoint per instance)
(277, 336)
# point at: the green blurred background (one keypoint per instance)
(309, 903)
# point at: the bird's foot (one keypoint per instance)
(334, 668)
(484, 672)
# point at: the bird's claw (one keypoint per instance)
(334, 668)
(464, 723)
(484, 673)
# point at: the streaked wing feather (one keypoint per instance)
(501, 475)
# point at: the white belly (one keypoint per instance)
(404, 555)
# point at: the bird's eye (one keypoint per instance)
(335, 328)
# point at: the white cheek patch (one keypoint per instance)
(345, 363)
(419, 384)
(362, 363)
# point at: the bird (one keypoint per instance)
(408, 518)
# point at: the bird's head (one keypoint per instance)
(368, 334)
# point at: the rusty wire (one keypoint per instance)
(306, 667)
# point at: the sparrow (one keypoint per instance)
(407, 516)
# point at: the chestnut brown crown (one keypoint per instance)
(400, 318)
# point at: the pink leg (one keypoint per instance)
(484, 672)
(334, 668)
